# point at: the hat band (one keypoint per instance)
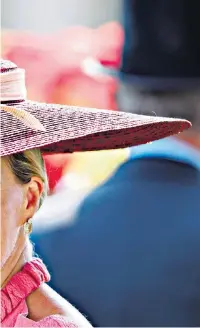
(13, 87)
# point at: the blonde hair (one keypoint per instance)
(28, 164)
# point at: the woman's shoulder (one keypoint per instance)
(48, 309)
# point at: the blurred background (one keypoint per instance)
(58, 14)
(141, 56)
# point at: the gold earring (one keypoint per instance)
(28, 227)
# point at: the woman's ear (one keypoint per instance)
(33, 192)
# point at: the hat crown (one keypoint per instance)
(7, 65)
(12, 87)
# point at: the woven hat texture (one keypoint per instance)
(70, 129)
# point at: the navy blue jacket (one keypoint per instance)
(132, 256)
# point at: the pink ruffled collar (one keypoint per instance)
(23, 283)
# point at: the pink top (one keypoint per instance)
(13, 298)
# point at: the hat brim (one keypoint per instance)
(71, 129)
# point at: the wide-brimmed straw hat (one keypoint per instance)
(56, 129)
